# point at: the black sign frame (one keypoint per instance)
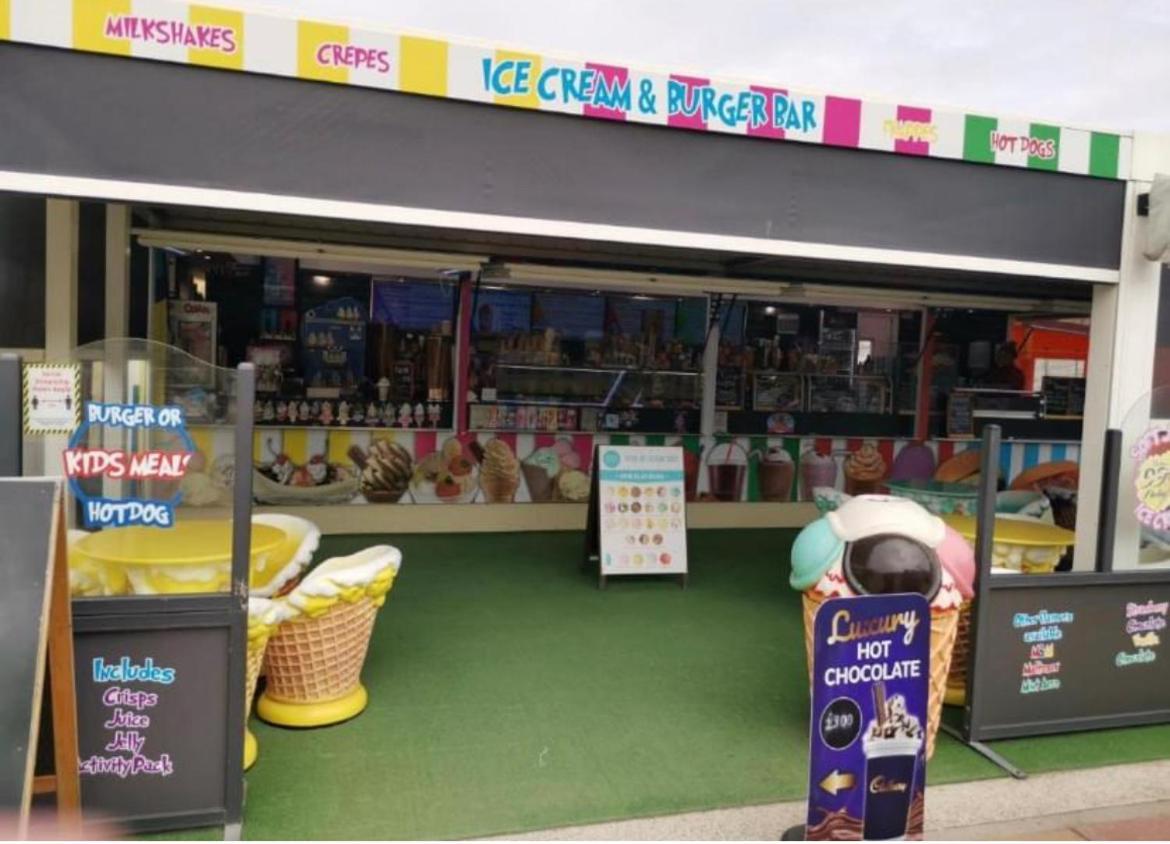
(979, 723)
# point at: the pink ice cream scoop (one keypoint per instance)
(958, 558)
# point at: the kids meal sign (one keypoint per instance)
(135, 469)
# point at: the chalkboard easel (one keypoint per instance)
(39, 557)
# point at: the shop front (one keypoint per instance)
(455, 272)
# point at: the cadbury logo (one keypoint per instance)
(881, 785)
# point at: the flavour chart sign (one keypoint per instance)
(641, 506)
(157, 471)
(867, 763)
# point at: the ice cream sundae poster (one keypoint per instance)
(641, 510)
(867, 764)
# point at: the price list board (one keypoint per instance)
(1083, 655)
(152, 731)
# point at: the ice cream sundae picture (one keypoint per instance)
(892, 744)
(317, 481)
(385, 471)
(447, 476)
(864, 469)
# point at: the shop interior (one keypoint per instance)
(506, 692)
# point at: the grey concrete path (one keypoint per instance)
(997, 808)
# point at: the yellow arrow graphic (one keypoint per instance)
(837, 781)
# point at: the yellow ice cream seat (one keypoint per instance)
(275, 571)
(263, 616)
(316, 655)
(193, 556)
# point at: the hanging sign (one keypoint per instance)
(638, 519)
(867, 762)
(1151, 456)
(52, 398)
(136, 468)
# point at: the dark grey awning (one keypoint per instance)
(75, 114)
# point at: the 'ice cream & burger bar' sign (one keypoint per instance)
(262, 42)
(136, 468)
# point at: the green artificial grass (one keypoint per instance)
(508, 693)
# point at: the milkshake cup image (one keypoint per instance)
(816, 470)
(891, 747)
(881, 545)
(864, 471)
(726, 471)
(776, 472)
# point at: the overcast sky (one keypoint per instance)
(1101, 64)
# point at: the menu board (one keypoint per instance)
(151, 708)
(640, 317)
(641, 510)
(575, 316)
(502, 312)
(413, 305)
(1064, 396)
(960, 415)
(1053, 659)
(690, 321)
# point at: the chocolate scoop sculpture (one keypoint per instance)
(878, 545)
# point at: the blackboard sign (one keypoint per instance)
(151, 726)
(1064, 396)
(28, 509)
(1067, 651)
(961, 415)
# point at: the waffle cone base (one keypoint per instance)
(943, 627)
(319, 660)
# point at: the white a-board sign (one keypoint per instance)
(638, 511)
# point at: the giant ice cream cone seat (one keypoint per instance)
(315, 657)
(263, 616)
(280, 569)
(878, 544)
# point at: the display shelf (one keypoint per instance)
(608, 370)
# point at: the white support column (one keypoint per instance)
(1122, 339)
(61, 235)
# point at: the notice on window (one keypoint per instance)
(51, 398)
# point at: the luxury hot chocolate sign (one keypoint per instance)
(132, 469)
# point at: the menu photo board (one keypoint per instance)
(638, 511)
(1063, 652)
(573, 315)
(413, 305)
(502, 311)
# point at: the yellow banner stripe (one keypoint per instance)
(296, 445)
(89, 26)
(204, 439)
(532, 73)
(422, 66)
(258, 453)
(311, 38)
(5, 19)
(231, 26)
(337, 450)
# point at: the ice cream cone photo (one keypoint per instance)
(499, 471)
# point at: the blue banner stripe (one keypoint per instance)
(640, 476)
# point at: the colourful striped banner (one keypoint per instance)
(265, 42)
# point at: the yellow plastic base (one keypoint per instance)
(288, 714)
(954, 696)
(251, 749)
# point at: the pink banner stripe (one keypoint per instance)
(918, 146)
(612, 76)
(543, 440)
(842, 122)
(692, 101)
(583, 445)
(424, 444)
(768, 130)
